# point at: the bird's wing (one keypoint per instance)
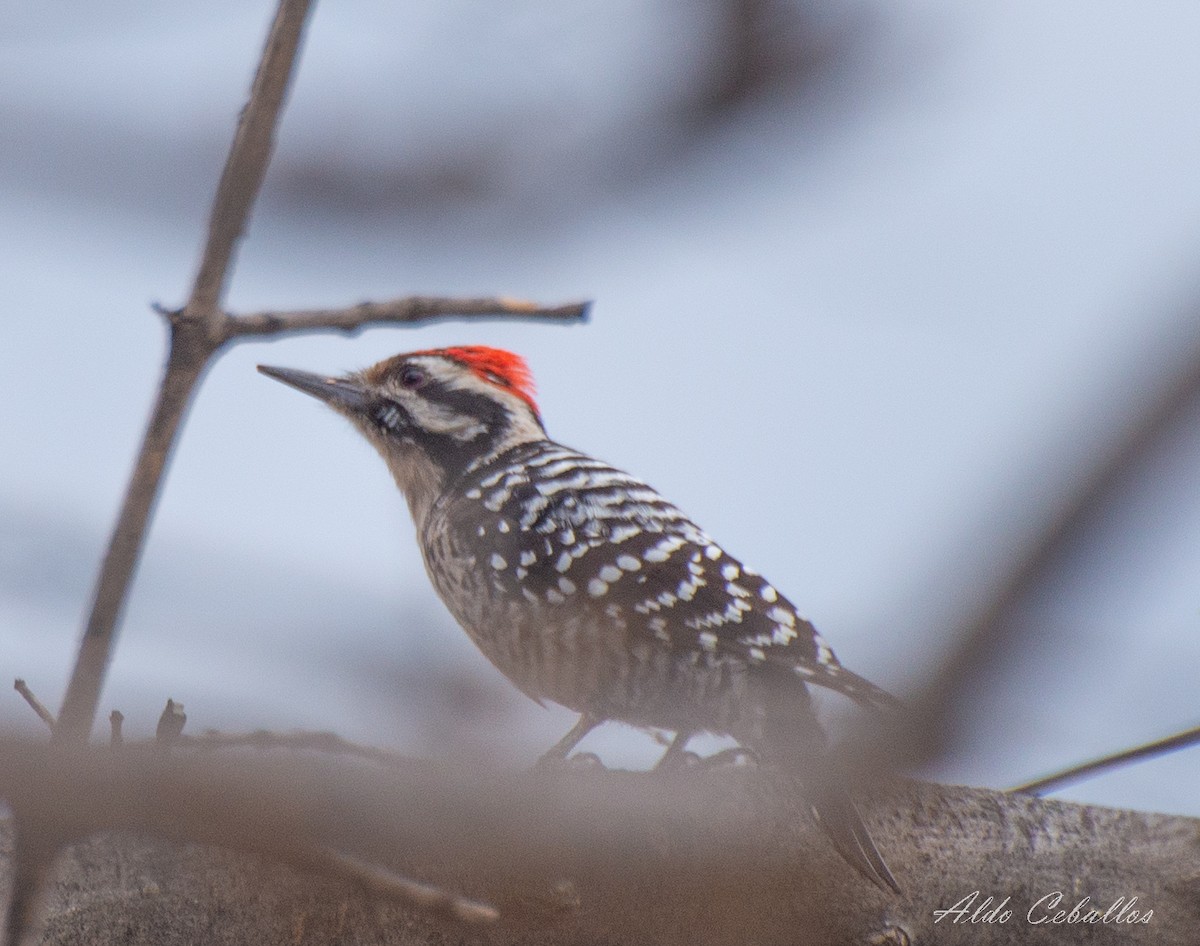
(633, 555)
(711, 601)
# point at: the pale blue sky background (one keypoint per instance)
(863, 330)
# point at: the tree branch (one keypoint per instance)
(34, 850)
(198, 333)
(405, 311)
(384, 884)
(246, 166)
(116, 571)
(34, 703)
(573, 858)
(195, 337)
(328, 743)
(981, 642)
(1055, 781)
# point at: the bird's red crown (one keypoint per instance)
(495, 366)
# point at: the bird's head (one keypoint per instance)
(432, 414)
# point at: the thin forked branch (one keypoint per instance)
(193, 342)
(199, 332)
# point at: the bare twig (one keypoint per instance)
(1055, 781)
(379, 882)
(324, 742)
(95, 649)
(253, 144)
(169, 733)
(409, 310)
(198, 333)
(195, 336)
(38, 707)
(170, 725)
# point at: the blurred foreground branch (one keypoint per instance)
(570, 857)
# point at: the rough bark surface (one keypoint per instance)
(728, 864)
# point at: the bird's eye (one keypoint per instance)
(412, 377)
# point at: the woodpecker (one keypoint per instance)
(583, 585)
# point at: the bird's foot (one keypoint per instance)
(685, 761)
(579, 762)
(732, 758)
(677, 761)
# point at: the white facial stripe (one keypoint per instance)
(443, 420)
(440, 419)
(457, 376)
(523, 425)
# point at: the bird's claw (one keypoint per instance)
(579, 762)
(734, 757)
(673, 762)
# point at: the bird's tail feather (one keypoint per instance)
(792, 739)
(865, 693)
(839, 818)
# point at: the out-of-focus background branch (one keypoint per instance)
(999, 634)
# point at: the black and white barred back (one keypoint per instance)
(584, 586)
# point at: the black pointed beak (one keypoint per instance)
(339, 393)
